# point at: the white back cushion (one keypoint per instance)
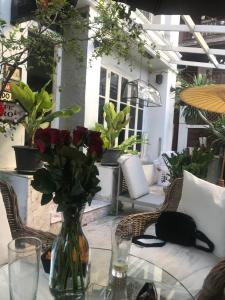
(5, 233)
(134, 175)
(150, 174)
(205, 203)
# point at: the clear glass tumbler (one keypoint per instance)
(24, 259)
(121, 242)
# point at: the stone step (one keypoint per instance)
(96, 210)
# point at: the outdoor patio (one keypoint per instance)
(112, 156)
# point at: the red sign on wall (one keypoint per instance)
(13, 112)
(6, 95)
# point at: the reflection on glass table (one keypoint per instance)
(103, 288)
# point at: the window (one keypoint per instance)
(113, 88)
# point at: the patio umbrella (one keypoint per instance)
(210, 98)
(179, 7)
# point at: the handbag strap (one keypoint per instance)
(202, 237)
(136, 240)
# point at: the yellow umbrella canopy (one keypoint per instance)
(210, 97)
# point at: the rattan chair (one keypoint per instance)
(214, 284)
(18, 229)
(142, 220)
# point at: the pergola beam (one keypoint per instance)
(198, 36)
(191, 50)
(198, 64)
(184, 28)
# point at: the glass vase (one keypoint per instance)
(70, 267)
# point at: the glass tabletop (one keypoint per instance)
(102, 287)
(140, 271)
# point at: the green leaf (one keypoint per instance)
(77, 189)
(42, 181)
(44, 101)
(23, 94)
(46, 198)
(64, 113)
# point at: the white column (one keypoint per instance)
(92, 83)
(182, 134)
(159, 120)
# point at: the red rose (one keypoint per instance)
(53, 134)
(94, 137)
(41, 139)
(2, 110)
(40, 145)
(80, 136)
(95, 150)
(64, 137)
(95, 144)
(45, 137)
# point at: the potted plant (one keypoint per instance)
(196, 162)
(38, 106)
(115, 123)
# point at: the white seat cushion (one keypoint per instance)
(205, 203)
(151, 198)
(5, 233)
(134, 175)
(188, 264)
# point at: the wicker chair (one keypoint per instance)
(17, 228)
(214, 284)
(142, 220)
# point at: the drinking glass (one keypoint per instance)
(121, 242)
(24, 258)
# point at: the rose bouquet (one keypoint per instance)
(69, 178)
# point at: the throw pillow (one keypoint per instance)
(149, 171)
(205, 203)
(134, 175)
(5, 233)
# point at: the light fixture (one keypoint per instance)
(143, 93)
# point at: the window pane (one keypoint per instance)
(132, 117)
(122, 106)
(114, 86)
(140, 119)
(138, 146)
(102, 82)
(121, 137)
(100, 110)
(130, 133)
(124, 90)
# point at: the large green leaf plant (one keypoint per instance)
(39, 108)
(195, 163)
(115, 122)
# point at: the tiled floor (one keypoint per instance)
(98, 219)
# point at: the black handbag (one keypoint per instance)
(178, 228)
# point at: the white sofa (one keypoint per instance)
(205, 202)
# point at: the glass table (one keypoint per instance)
(140, 271)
